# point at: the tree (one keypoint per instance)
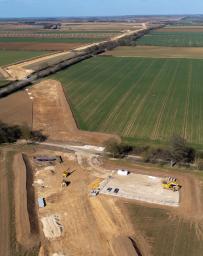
(180, 151)
(12, 133)
(37, 136)
(116, 149)
(9, 134)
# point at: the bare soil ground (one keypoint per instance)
(104, 221)
(100, 26)
(157, 52)
(25, 234)
(16, 109)
(191, 206)
(39, 46)
(52, 115)
(23, 69)
(3, 74)
(98, 223)
(4, 209)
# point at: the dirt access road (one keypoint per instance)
(53, 116)
(20, 71)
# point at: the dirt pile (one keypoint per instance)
(26, 232)
(52, 227)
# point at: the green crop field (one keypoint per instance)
(47, 40)
(3, 82)
(181, 39)
(142, 99)
(167, 235)
(8, 57)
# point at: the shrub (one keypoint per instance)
(116, 149)
(180, 151)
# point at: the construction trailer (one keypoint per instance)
(41, 202)
(123, 172)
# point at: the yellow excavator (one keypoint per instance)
(171, 183)
(66, 174)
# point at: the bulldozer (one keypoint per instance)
(171, 184)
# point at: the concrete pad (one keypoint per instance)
(141, 187)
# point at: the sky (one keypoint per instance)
(67, 8)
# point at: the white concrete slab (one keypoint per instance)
(141, 187)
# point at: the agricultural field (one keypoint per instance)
(9, 57)
(143, 99)
(47, 40)
(156, 52)
(181, 29)
(175, 39)
(167, 235)
(45, 43)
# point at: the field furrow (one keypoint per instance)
(137, 98)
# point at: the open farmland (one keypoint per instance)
(156, 52)
(167, 235)
(48, 40)
(182, 29)
(137, 98)
(181, 39)
(9, 57)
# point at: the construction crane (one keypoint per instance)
(171, 184)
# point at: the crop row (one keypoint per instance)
(181, 39)
(142, 98)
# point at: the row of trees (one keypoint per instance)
(12, 133)
(178, 151)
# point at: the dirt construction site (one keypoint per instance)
(73, 202)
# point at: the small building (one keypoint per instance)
(41, 202)
(123, 172)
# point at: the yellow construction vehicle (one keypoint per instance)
(171, 183)
(95, 184)
(65, 174)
